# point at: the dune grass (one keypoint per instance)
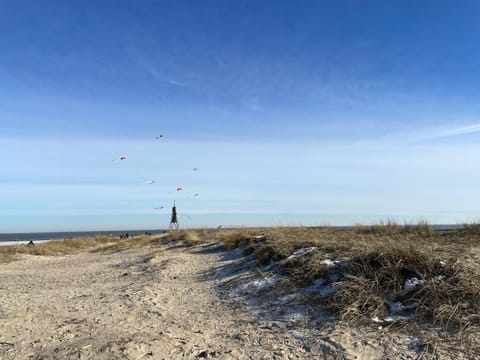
(75, 245)
(372, 267)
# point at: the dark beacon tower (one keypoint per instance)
(173, 219)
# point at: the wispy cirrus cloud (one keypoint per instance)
(166, 79)
(433, 133)
(444, 132)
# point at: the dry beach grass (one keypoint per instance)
(398, 280)
(407, 277)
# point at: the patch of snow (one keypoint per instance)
(263, 282)
(329, 262)
(287, 298)
(213, 243)
(397, 307)
(411, 283)
(438, 278)
(336, 276)
(295, 316)
(328, 290)
(392, 318)
(317, 283)
(414, 344)
(235, 253)
(321, 287)
(301, 252)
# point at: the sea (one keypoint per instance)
(7, 239)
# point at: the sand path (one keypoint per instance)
(149, 303)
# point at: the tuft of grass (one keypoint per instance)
(392, 227)
(236, 238)
(190, 237)
(382, 272)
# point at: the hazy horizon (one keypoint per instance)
(263, 113)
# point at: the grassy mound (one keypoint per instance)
(409, 276)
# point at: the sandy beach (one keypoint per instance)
(161, 302)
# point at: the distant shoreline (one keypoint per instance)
(8, 239)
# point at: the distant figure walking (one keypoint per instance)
(173, 219)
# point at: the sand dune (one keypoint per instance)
(157, 303)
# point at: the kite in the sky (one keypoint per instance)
(179, 189)
(195, 195)
(123, 157)
(158, 208)
(150, 182)
(159, 137)
(195, 169)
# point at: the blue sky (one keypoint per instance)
(294, 113)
